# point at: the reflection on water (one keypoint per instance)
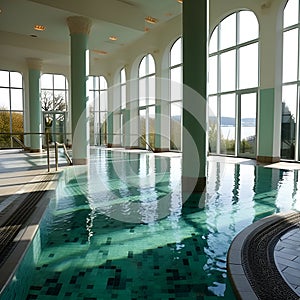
(120, 229)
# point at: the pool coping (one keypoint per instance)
(247, 283)
(46, 182)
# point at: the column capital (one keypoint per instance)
(34, 63)
(78, 24)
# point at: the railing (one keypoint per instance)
(144, 140)
(11, 140)
(69, 160)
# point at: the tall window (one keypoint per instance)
(291, 82)
(123, 102)
(233, 83)
(98, 110)
(54, 104)
(176, 95)
(11, 108)
(147, 102)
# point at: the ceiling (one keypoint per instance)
(124, 19)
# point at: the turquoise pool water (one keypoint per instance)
(118, 229)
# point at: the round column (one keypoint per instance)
(34, 72)
(79, 30)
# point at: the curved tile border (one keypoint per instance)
(250, 260)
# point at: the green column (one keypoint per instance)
(34, 72)
(79, 29)
(195, 33)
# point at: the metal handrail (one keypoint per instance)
(69, 160)
(147, 143)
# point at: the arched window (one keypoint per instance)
(176, 95)
(233, 85)
(11, 108)
(97, 86)
(290, 82)
(54, 104)
(147, 102)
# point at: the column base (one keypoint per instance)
(193, 184)
(132, 148)
(34, 150)
(161, 150)
(114, 146)
(267, 159)
(79, 161)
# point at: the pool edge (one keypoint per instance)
(241, 282)
(27, 233)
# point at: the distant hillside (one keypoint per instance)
(227, 121)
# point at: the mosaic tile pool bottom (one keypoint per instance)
(114, 267)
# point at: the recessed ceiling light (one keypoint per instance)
(33, 35)
(180, 1)
(39, 27)
(113, 38)
(99, 51)
(151, 20)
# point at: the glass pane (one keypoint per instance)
(176, 53)
(4, 122)
(151, 83)
(213, 74)
(175, 126)
(91, 101)
(228, 71)
(103, 128)
(59, 82)
(176, 84)
(151, 126)
(123, 96)
(103, 83)
(96, 82)
(18, 125)
(213, 42)
(212, 124)
(151, 64)
(47, 100)
(142, 67)
(248, 124)
(16, 80)
(142, 92)
(123, 76)
(228, 32)
(89, 83)
(288, 121)
(59, 101)
(16, 99)
(4, 78)
(103, 101)
(291, 10)
(290, 55)
(249, 66)
(142, 126)
(248, 26)
(47, 81)
(59, 128)
(5, 139)
(95, 95)
(228, 124)
(4, 99)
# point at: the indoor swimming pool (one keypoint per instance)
(117, 229)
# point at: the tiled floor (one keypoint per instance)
(287, 258)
